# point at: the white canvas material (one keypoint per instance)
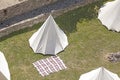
(99, 74)
(4, 70)
(109, 15)
(49, 39)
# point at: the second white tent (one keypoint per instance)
(99, 74)
(109, 15)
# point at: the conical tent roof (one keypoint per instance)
(4, 70)
(109, 15)
(49, 39)
(99, 74)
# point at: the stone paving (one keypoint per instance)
(60, 4)
(7, 3)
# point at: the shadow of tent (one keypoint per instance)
(68, 21)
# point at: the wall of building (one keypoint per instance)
(22, 8)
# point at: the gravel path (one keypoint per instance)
(60, 4)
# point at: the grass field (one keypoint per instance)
(89, 43)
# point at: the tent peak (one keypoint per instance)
(99, 74)
(102, 68)
(50, 16)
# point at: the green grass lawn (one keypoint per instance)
(89, 43)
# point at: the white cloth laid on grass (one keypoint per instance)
(49, 65)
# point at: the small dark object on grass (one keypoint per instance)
(114, 57)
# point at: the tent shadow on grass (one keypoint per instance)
(68, 21)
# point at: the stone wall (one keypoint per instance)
(31, 21)
(22, 8)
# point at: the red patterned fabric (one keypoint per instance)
(49, 65)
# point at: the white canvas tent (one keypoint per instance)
(99, 74)
(49, 39)
(4, 70)
(109, 15)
